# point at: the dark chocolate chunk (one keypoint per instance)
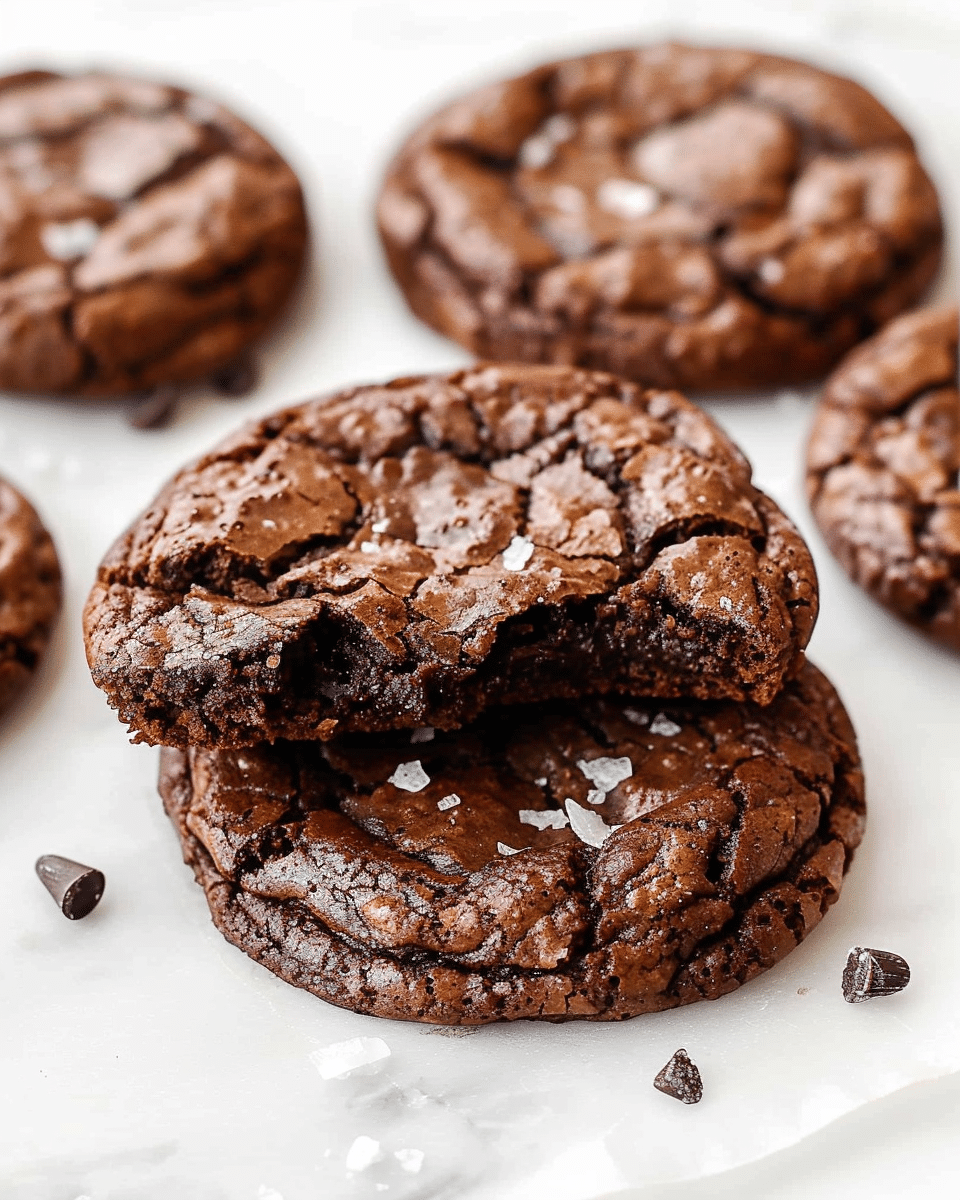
(872, 973)
(76, 888)
(377, 872)
(155, 410)
(237, 378)
(412, 553)
(680, 1079)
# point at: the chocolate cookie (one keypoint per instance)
(594, 859)
(686, 217)
(29, 592)
(409, 554)
(882, 469)
(147, 236)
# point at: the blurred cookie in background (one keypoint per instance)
(882, 469)
(684, 216)
(29, 592)
(147, 236)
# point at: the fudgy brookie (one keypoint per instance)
(684, 216)
(594, 859)
(147, 235)
(29, 592)
(882, 469)
(410, 554)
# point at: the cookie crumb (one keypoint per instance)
(680, 1079)
(872, 973)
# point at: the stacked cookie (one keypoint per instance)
(484, 697)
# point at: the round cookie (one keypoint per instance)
(882, 469)
(594, 859)
(29, 592)
(408, 554)
(687, 217)
(147, 236)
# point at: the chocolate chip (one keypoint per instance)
(680, 1079)
(871, 973)
(76, 888)
(156, 409)
(236, 379)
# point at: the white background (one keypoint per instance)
(141, 1056)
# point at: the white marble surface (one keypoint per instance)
(145, 1058)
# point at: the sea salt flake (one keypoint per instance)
(410, 1160)
(540, 147)
(606, 773)
(268, 524)
(380, 526)
(541, 782)
(368, 547)
(363, 1153)
(663, 726)
(65, 240)
(503, 848)
(627, 198)
(450, 801)
(518, 553)
(411, 777)
(771, 270)
(588, 825)
(340, 1059)
(548, 818)
(726, 603)
(424, 734)
(268, 1193)
(536, 152)
(596, 796)
(636, 716)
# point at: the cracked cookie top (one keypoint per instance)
(406, 554)
(882, 469)
(147, 235)
(685, 216)
(29, 592)
(597, 858)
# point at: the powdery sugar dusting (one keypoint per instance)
(411, 777)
